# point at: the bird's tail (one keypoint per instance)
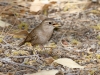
(22, 43)
(27, 39)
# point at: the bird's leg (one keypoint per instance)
(42, 47)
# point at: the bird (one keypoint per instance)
(42, 33)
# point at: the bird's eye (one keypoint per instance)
(50, 23)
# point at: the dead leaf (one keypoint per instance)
(45, 72)
(68, 62)
(10, 73)
(7, 74)
(22, 32)
(49, 60)
(2, 74)
(95, 11)
(23, 3)
(54, 1)
(4, 24)
(38, 5)
(64, 42)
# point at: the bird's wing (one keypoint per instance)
(34, 38)
(30, 37)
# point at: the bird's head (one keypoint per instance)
(50, 23)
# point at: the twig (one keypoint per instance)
(16, 64)
(30, 56)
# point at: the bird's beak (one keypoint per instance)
(56, 25)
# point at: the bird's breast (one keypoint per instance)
(44, 36)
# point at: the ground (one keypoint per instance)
(78, 38)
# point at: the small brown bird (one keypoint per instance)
(42, 33)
